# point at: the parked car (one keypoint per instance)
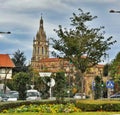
(13, 92)
(80, 96)
(116, 95)
(10, 96)
(4, 97)
(0, 98)
(13, 97)
(33, 95)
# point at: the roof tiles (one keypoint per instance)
(5, 61)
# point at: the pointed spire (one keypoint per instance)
(41, 22)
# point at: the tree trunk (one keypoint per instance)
(5, 80)
(82, 85)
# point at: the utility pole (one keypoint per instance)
(114, 11)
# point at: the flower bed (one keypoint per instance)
(45, 108)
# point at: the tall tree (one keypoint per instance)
(99, 88)
(19, 61)
(115, 71)
(82, 45)
(60, 86)
(115, 67)
(106, 69)
(20, 81)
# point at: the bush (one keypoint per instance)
(98, 105)
(45, 108)
(63, 106)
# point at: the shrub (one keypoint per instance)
(45, 108)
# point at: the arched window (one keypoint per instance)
(35, 50)
(46, 51)
(38, 50)
(42, 50)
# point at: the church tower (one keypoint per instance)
(40, 46)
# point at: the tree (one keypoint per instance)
(19, 61)
(99, 88)
(20, 81)
(83, 46)
(60, 86)
(41, 84)
(115, 71)
(106, 69)
(115, 67)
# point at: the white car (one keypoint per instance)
(13, 97)
(80, 96)
(33, 95)
(0, 98)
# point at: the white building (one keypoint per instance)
(6, 65)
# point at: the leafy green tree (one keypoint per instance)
(115, 71)
(115, 67)
(100, 90)
(97, 89)
(82, 45)
(106, 70)
(41, 85)
(20, 81)
(19, 61)
(60, 86)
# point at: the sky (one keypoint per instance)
(22, 19)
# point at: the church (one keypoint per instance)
(41, 61)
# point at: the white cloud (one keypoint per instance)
(1, 36)
(20, 5)
(21, 17)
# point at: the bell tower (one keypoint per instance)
(40, 46)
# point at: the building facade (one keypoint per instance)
(6, 66)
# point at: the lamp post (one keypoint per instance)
(114, 11)
(5, 32)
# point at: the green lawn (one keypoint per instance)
(80, 113)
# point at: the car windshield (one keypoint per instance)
(15, 95)
(32, 94)
(79, 94)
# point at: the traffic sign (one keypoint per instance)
(51, 83)
(45, 74)
(110, 84)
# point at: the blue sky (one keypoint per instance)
(21, 18)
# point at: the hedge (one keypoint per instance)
(83, 105)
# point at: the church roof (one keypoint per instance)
(5, 61)
(50, 60)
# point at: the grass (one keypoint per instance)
(78, 113)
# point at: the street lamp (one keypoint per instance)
(114, 11)
(5, 32)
